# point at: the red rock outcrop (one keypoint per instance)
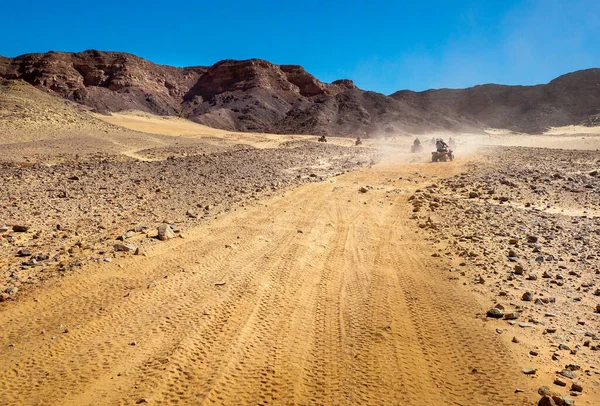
(257, 95)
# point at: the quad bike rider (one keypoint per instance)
(322, 138)
(358, 141)
(416, 146)
(443, 152)
(452, 143)
(441, 146)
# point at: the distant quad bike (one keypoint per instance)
(358, 141)
(442, 156)
(416, 148)
(322, 138)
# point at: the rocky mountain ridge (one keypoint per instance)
(257, 95)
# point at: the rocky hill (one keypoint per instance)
(256, 95)
(573, 98)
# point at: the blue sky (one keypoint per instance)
(381, 45)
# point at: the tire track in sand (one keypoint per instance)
(352, 310)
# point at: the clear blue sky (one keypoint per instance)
(381, 45)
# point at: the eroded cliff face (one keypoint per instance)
(257, 95)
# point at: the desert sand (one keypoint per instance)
(298, 272)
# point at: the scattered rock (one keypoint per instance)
(546, 401)
(21, 228)
(567, 373)
(527, 296)
(560, 382)
(165, 232)
(128, 247)
(495, 313)
(512, 316)
(576, 387)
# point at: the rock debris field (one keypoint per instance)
(58, 218)
(521, 229)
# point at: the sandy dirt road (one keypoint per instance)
(321, 296)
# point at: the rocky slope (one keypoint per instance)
(573, 98)
(522, 231)
(58, 217)
(256, 95)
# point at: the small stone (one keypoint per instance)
(527, 296)
(24, 253)
(576, 387)
(125, 247)
(126, 235)
(564, 347)
(560, 382)
(532, 276)
(529, 371)
(519, 269)
(21, 228)
(363, 189)
(546, 401)
(165, 232)
(567, 374)
(512, 316)
(544, 390)
(495, 313)
(515, 340)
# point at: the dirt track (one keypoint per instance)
(322, 296)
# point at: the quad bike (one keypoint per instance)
(442, 156)
(415, 148)
(322, 138)
(358, 142)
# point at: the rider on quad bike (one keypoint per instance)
(322, 138)
(452, 143)
(416, 146)
(358, 141)
(441, 146)
(443, 152)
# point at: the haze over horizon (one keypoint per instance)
(382, 46)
